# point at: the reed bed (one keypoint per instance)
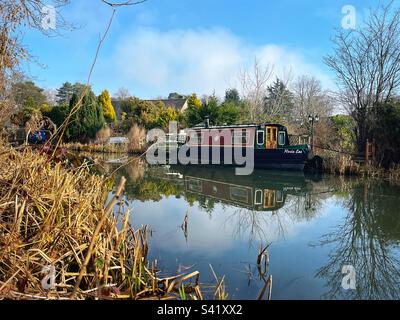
(394, 173)
(116, 148)
(137, 139)
(344, 165)
(61, 239)
(340, 164)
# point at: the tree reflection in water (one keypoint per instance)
(367, 239)
(256, 225)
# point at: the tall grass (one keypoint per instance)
(340, 164)
(344, 165)
(55, 217)
(137, 139)
(103, 135)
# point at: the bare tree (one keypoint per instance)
(14, 16)
(122, 94)
(51, 95)
(254, 83)
(366, 240)
(310, 98)
(367, 65)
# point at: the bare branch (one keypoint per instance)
(122, 4)
(367, 65)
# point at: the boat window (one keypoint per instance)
(258, 197)
(240, 137)
(194, 137)
(239, 194)
(260, 137)
(268, 134)
(195, 185)
(282, 138)
(279, 196)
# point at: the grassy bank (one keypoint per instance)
(54, 217)
(341, 164)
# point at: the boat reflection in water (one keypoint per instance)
(261, 191)
(316, 226)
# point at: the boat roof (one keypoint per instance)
(253, 125)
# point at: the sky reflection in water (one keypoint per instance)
(315, 226)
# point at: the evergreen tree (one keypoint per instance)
(65, 93)
(58, 114)
(228, 113)
(108, 110)
(209, 109)
(24, 91)
(232, 95)
(87, 121)
(67, 90)
(192, 113)
(279, 100)
(175, 95)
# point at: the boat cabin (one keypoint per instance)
(265, 136)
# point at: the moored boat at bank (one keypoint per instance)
(267, 145)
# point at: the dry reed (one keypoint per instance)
(103, 135)
(115, 148)
(137, 139)
(55, 218)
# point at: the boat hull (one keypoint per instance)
(274, 159)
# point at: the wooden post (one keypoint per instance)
(367, 152)
(373, 150)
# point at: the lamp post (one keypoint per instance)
(312, 119)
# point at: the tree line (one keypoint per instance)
(364, 61)
(284, 102)
(94, 114)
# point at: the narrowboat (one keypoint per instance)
(267, 144)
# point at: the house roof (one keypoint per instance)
(177, 104)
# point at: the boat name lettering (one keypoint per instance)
(293, 151)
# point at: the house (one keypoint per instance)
(177, 104)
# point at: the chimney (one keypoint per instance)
(207, 122)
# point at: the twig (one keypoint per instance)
(75, 108)
(121, 4)
(65, 123)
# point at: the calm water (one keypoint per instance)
(315, 226)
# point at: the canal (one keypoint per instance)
(315, 226)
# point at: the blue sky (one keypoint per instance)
(189, 45)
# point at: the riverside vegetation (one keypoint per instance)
(55, 215)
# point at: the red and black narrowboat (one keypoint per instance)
(268, 144)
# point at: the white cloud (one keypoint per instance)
(198, 61)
